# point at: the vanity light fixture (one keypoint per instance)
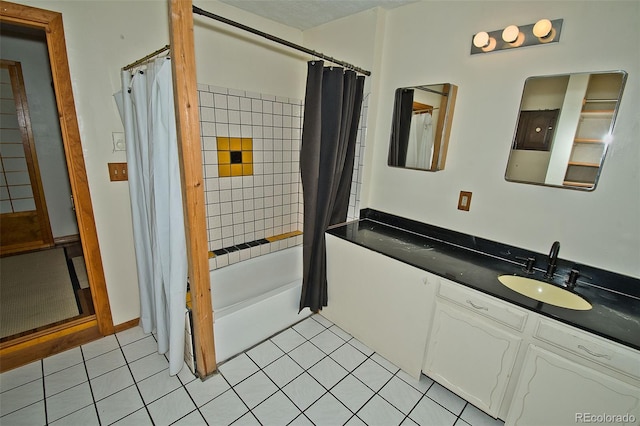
(543, 31)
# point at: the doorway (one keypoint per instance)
(79, 329)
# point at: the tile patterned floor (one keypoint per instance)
(311, 373)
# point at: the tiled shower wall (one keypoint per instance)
(246, 209)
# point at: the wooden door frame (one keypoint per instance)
(29, 348)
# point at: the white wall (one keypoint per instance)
(428, 43)
(104, 35)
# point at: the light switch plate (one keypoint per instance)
(464, 201)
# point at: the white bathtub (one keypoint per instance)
(255, 299)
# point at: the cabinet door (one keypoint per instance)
(555, 390)
(384, 303)
(471, 356)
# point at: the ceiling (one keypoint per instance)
(305, 14)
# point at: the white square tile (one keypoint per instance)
(446, 398)
(148, 366)
(400, 394)
(158, 385)
(131, 335)
(283, 370)
(301, 420)
(348, 357)
(21, 396)
(391, 367)
(140, 348)
(337, 330)
(204, 391)
(327, 372)
(379, 412)
(306, 355)
(361, 347)
(355, 421)
(421, 385)
(224, 409)
(172, 407)
(65, 379)
(327, 341)
(428, 412)
(309, 328)
(276, 410)
(137, 418)
(186, 375)
(119, 405)
(99, 347)
(62, 360)
(238, 369)
(304, 391)
(476, 417)
(372, 374)
(28, 416)
(328, 411)
(21, 375)
(86, 416)
(461, 422)
(192, 419)
(69, 401)
(352, 393)
(289, 338)
(322, 320)
(255, 389)
(265, 353)
(105, 363)
(247, 420)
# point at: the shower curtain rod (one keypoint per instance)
(146, 58)
(199, 11)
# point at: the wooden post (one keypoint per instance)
(188, 129)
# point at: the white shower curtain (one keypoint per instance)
(420, 147)
(156, 204)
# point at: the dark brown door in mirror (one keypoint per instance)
(536, 130)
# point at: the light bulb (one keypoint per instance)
(542, 28)
(510, 34)
(481, 39)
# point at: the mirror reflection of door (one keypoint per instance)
(43, 275)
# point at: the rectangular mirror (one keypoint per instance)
(421, 125)
(564, 127)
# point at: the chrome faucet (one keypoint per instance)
(552, 260)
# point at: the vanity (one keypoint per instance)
(429, 300)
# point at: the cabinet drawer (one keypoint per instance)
(593, 348)
(483, 305)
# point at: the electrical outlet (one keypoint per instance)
(118, 171)
(464, 201)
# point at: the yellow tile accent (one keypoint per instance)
(211, 255)
(223, 144)
(188, 300)
(247, 157)
(236, 170)
(235, 144)
(247, 169)
(283, 236)
(224, 157)
(247, 144)
(224, 170)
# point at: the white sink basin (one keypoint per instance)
(545, 292)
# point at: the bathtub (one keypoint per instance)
(254, 299)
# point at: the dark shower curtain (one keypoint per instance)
(332, 110)
(400, 127)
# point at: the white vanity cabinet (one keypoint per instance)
(473, 345)
(571, 377)
(384, 303)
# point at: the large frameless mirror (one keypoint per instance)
(564, 128)
(421, 125)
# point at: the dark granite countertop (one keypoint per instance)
(476, 263)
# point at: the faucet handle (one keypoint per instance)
(528, 266)
(573, 277)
